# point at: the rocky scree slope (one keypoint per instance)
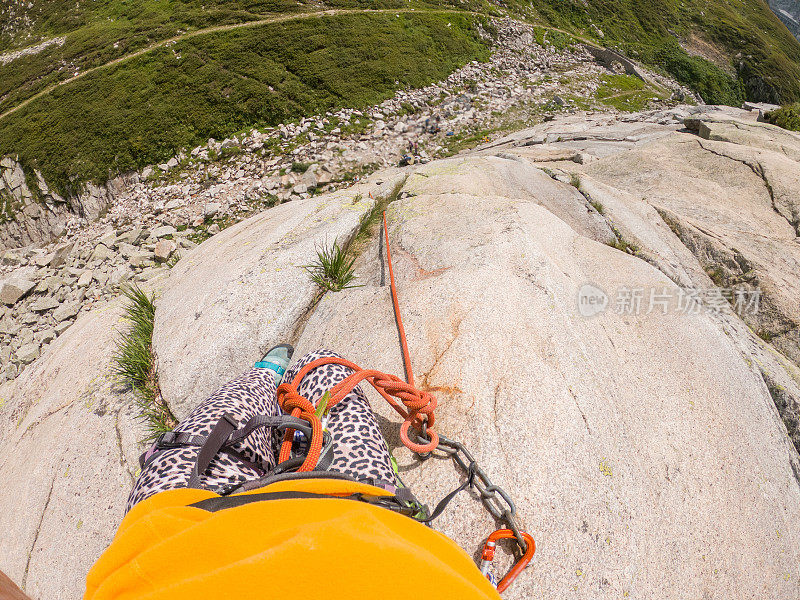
(648, 451)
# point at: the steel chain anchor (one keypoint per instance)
(497, 502)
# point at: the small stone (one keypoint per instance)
(214, 229)
(60, 254)
(45, 337)
(300, 188)
(211, 209)
(128, 250)
(120, 275)
(53, 283)
(29, 318)
(85, 279)
(10, 257)
(164, 249)
(140, 259)
(100, 253)
(11, 370)
(44, 304)
(65, 311)
(44, 260)
(28, 353)
(9, 327)
(11, 291)
(173, 204)
(131, 237)
(163, 231)
(147, 172)
(101, 277)
(61, 327)
(108, 238)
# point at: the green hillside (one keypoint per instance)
(146, 109)
(761, 53)
(191, 77)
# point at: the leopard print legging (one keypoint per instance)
(359, 449)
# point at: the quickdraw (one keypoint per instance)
(416, 407)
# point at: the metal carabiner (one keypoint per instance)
(487, 556)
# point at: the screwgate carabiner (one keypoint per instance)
(487, 556)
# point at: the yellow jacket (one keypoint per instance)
(283, 549)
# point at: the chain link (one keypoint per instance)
(494, 498)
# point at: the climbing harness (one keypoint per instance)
(414, 405)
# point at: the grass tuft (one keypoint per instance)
(135, 365)
(333, 269)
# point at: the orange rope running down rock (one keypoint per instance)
(417, 405)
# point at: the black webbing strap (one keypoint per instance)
(214, 442)
(182, 439)
(446, 500)
(226, 502)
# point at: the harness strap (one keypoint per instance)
(213, 444)
(225, 502)
(446, 500)
(225, 434)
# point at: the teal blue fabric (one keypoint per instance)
(262, 364)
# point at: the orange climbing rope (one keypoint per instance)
(416, 409)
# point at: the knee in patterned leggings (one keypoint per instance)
(358, 445)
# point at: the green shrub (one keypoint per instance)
(713, 84)
(787, 117)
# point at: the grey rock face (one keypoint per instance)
(787, 11)
(609, 432)
(602, 429)
(74, 439)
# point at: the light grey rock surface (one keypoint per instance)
(621, 438)
(644, 451)
(733, 199)
(242, 291)
(68, 448)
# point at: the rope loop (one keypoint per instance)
(415, 406)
